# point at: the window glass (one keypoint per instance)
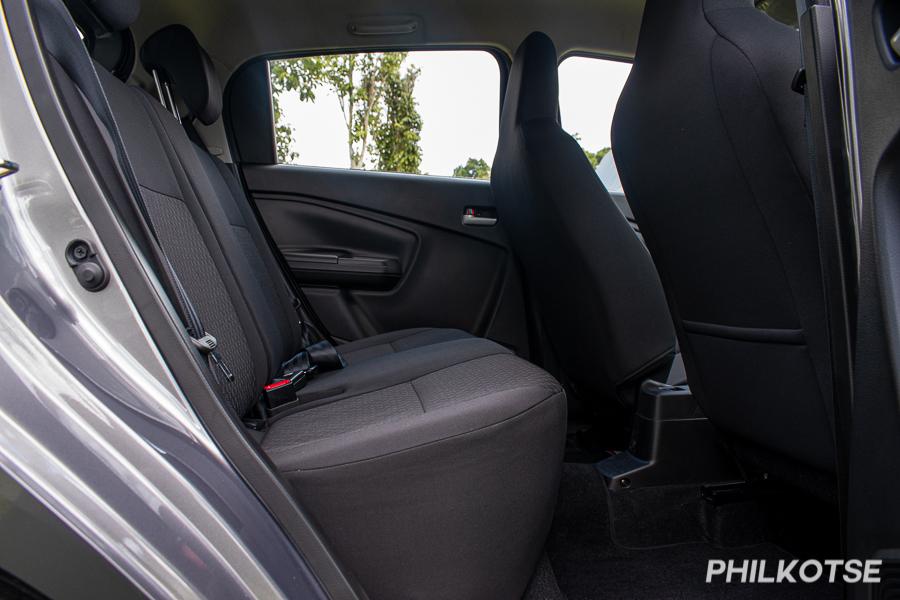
(429, 112)
(588, 91)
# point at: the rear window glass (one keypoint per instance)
(589, 89)
(429, 112)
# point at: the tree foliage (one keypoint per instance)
(300, 75)
(593, 157)
(375, 94)
(596, 157)
(397, 135)
(475, 168)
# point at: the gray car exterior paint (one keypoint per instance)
(91, 422)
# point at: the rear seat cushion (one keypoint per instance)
(450, 472)
(396, 341)
(387, 370)
(392, 388)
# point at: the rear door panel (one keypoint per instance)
(377, 252)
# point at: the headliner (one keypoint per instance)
(234, 31)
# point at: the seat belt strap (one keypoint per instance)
(313, 329)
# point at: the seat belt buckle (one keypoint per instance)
(281, 393)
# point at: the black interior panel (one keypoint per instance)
(377, 252)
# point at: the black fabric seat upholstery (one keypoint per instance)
(436, 486)
(595, 286)
(431, 462)
(397, 341)
(180, 61)
(710, 143)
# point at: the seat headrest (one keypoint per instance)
(533, 88)
(116, 14)
(177, 57)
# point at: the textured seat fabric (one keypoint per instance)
(595, 286)
(430, 463)
(433, 487)
(396, 341)
(390, 369)
(175, 55)
(710, 143)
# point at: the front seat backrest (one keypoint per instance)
(711, 150)
(595, 286)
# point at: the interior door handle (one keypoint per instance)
(474, 216)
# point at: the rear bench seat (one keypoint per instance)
(431, 462)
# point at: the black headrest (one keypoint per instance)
(533, 88)
(177, 57)
(116, 14)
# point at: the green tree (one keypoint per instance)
(398, 133)
(593, 157)
(376, 98)
(300, 75)
(475, 168)
(596, 157)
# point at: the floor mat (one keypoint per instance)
(590, 565)
(543, 584)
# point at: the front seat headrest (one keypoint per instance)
(118, 15)
(533, 89)
(177, 57)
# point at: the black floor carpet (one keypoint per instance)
(594, 560)
(543, 584)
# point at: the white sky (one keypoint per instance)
(458, 97)
(588, 91)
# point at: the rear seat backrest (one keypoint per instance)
(219, 194)
(230, 231)
(187, 238)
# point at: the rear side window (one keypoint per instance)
(589, 89)
(431, 112)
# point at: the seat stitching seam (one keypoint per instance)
(746, 180)
(163, 194)
(433, 442)
(415, 390)
(753, 195)
(762, 88)
(407, 336)
(552, 388)
(438, 370)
